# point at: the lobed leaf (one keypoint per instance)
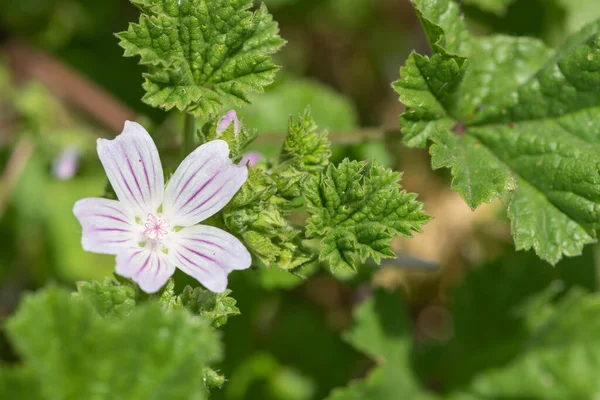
(201, 54)
(508, 115)
(356, 209)
(305, 151)
(216, 307)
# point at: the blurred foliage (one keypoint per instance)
(507, 338)
(76, 352)
(513, 328)
(549, 20)
(382, 331)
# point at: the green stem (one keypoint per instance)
(189, 134)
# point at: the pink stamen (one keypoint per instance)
(156, 228)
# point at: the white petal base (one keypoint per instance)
(149, 268)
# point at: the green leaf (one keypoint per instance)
(489, 328)
(19, 383)
(257, 214)
(304, 146)
(562, 355)
(578, 13)
(76, 353)
(508, 115)
(305, 152)
(501, 311)
(381, 330)
(201, 54)
(119, 298)
(281, 381)
(216, 307)
(356, 209)
(109, 298)
(495, 6)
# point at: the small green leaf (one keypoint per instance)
(109, 298)
(216, 307)
(305, 151)
(201, 54)
(356, 209)
(78, 354)
(257, 214)
(509, 115)
(304, 146)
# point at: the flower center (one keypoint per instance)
(156, 228)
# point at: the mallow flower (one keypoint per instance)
(153, 229)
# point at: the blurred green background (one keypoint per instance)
(64, 83)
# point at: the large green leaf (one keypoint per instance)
(509, 115)
(202, 53)
(76, 353)
(356, 209)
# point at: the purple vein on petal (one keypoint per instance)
(143, 266)
(117, 210)
(180, 191)
(110, 217)
(110, 230)
(114, 241)
(192, 263)
(212, 196)
(145, 172)
(207, 242)
(199, 190)
(157, 267)
(128, 188)
(132, 172)
(200, 254)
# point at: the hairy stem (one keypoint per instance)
(189, 134)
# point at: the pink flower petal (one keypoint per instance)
(148, 267)
(107, 226)
(208, 254)
(202, 185)
(227, 119)
(251, 158)
(133, 167)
